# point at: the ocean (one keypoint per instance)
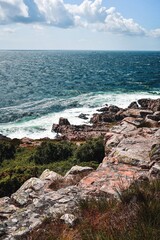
(38, 87)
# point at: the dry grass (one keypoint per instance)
(136, 217)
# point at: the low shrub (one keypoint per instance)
(92, 150)
(49, 152)
(7, 150)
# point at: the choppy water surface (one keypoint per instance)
(37, 87)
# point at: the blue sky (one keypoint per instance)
(80, 24)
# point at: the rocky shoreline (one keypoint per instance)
(132, 153)
(144, 113)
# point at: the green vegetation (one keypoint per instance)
(135, 217)
(17, 164)
(91, 150)
(49, 152)
(7, 150)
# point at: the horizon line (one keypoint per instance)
(100, 50)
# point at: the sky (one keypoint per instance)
(80, 24)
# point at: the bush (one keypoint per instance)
(92, 150)
(49, 152)
(7, 150)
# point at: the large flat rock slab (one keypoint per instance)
(110, 178)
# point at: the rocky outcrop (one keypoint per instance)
(79, 132)
(145, 113)
(152, 104)
(132, 152)
(35, 201)
(129, 157)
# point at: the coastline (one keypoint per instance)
(40, 127)
(45, 186)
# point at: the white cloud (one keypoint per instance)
(88, 11)
(12, 11)
(93, 15)
(155, 33)
(55, 12)
(89, 14)
(115, 22)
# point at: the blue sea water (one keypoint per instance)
(37, 87)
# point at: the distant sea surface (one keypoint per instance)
(38, 87)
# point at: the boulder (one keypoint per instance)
(109, 179)
(154, 117)
(131, 113)
(103, 109)
(105, 117)
(28, 191)
(113, 108)
(76, 173)
(50, 176)
(145, 113)
(123, 128)
(144, 102)
(133, 150)
(114, 140)
(137, 122)
(152, 104)
(149, 123)
(63, 121)
(133, 105)
(83, 116)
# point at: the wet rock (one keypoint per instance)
(63, 121)
(103, 109)
(83, 116)
(152, 104)
(106, 117)
(113, 108)
(133, 105)
(144, 102)
(80, 132)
